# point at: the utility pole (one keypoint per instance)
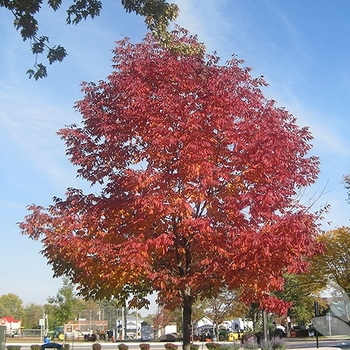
(123, 325)
(137, 324)
(125, 322)
(317, 313)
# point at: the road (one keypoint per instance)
(301, 343)
(311, 343)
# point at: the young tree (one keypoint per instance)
(199, 175)
(224, 306)
(157, 14)
(65, 306)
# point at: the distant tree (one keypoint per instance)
(224, 306)
(298, 292)
(347, 185)
(148, 319)
(330, 271)
(333, 265)
(109, 310)
(87, 305)
(199, 175)
(157, 14)
(161, 318)
(198, 311)
(31, 316)
(12, 304)
(175, 315)
(65, 306)
(4, 311)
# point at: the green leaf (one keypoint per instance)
(30, 72)
(28, 26)
(39, 44)
(55, 4)
(40, 72)
(56, 54)
(82, 9)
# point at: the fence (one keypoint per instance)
(30, 333)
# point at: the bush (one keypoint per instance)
(96, 346)
(144, 346)
(276, 343)
(13, 347)
(35, 347)
(231, 346)
(123, 347)
(65, 346)
(265, 345)
(250, 344)
(194, 347)
(170, 346)
(213, 346)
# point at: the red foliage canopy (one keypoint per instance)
(198, 174)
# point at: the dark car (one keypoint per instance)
(171, 337)
(90, 337)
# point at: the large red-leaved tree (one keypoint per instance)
(198, 175)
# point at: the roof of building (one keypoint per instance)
(9, 319)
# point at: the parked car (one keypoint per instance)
(171, 337)
(90, 337)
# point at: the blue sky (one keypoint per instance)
(302, 48)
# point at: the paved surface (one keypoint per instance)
(295, 344)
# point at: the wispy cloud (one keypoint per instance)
(29, 127)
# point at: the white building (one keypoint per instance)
(13, 326)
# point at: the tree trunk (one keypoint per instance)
(265, 326)
(186, 322)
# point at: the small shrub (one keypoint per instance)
(250, 343)
(35, 347)
(144, 346)
(213, 346)
(123, 347)
(265, 345)
(225, 346)
(170, 346)
(13, 347)
(231, 346)
(194, 347)
(96, 346)
(276, 343)
(65, 346)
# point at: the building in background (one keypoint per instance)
(13, 326)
